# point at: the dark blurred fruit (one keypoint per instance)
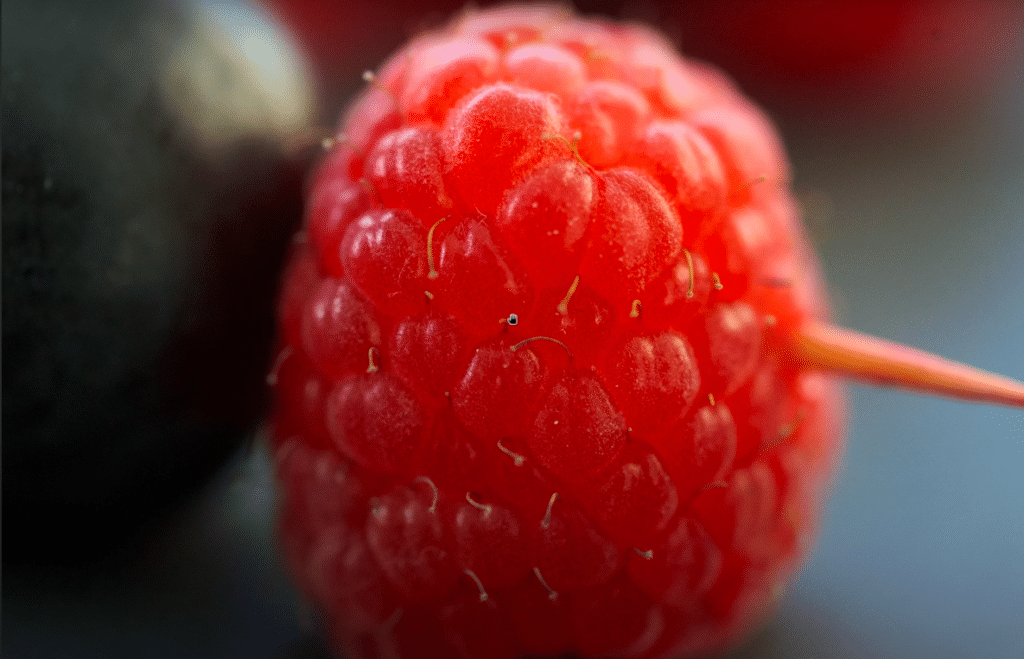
(895, 56)
(150, 183)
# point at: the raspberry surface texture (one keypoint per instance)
(530, 395)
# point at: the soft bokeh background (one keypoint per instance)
(913, 187)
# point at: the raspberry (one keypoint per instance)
(549, 380)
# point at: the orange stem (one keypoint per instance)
(863, 357)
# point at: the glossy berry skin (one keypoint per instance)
(558, 420)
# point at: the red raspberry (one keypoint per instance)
(549, 380)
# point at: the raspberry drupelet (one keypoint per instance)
(553, 350)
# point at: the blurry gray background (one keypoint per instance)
(918, 211)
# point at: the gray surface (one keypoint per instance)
(922, 552)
